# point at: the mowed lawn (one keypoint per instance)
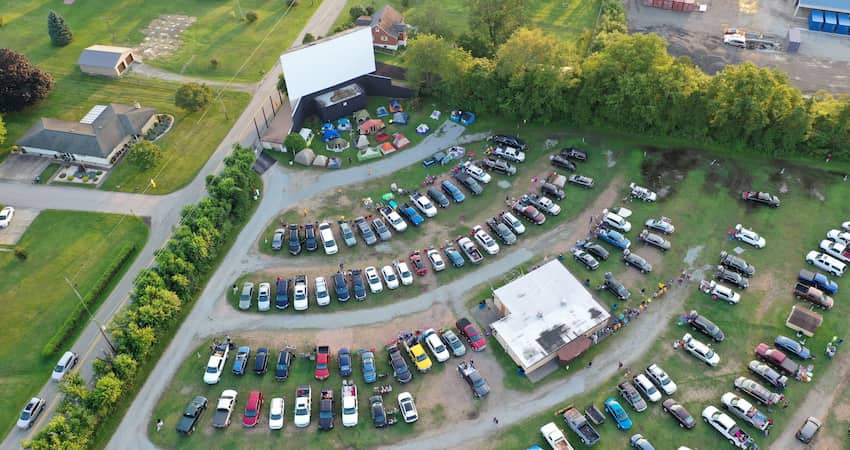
(704, 205)
(36, 299)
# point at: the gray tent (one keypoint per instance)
(305, 157)
(362, 141)
(320, 161)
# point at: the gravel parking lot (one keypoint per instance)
(822, 62)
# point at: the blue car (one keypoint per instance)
(453, 191)
(454, 256)
(618, 414)
(241, 361)
(614, 238)
(793, 347)
(367, 361)
(411, 215)
(344, 358)
(357, 284)
(341, 287)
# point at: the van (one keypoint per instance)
(327, 237)
(247, 296)
(826, 263)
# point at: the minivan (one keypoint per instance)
(253, 408)
(646, 388)
(247, 295)
(327, 237)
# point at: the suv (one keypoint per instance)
(365, 231)
(646, 387)
(476, 173)
(340, 287)
(284, 362)
(661, 379)
(562, 163)
(700, 351)
(573, 153)
(30, 413)
(498, 165)
(552, 191)
(502, 231)
(509, 153)
(261, 361)
(616, 288)
(509, 140)
(277, 239)
(294, 239)
(310, 241)
(732, 277)
(400, 370)
(357, 284)
(512, 222)
(451, 190)
(705, 326)
(631, 396)
(737, 264)
(473, 378)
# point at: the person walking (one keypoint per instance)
(495, 420)
(159, 424)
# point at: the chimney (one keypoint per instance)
(136, 105)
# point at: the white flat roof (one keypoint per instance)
(546, 309)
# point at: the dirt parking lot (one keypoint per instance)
(822, 63)
(22, 220)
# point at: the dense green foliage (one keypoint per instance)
(144, 154)
(2, 131)
(193, 96)
(60, 33)
(21, 83)
(294, 143)
(630, 83)
(159, 294)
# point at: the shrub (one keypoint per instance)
(21, 253)
(144, 155)
(308, 37)
(60, 33)
(193, 96)
(62, 176)
(213, 64)
(251, 16)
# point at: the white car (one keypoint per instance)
(826, 262)
(642, 193)
(842, 237)
(394, 219)
(276, 413)
(546, 205)
(845, 226)
(327, 237)
(300, 294)
(436, 260)
(323, 297)
(721, 292)
(349, 404)
(661, 379)
(836, 250)
(264, 297)
(31, 412)
(65, 364)
(700, 351)
(390, 278)
(404, 273)
(6, 216)
(616, 221)
(407, 407)
(646, 388)
(485, 240)
(435, 344)
(477, 173)
(423, 204)
(664, 225)
(749, 236)
(373, 280)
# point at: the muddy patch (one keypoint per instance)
(663, 169)
(162, 36)
(504, 184)
(610, 156)
(692, 254)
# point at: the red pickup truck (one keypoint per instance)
(777, 359)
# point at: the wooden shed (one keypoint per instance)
(804, 320)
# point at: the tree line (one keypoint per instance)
(629, 83)
(159, 295)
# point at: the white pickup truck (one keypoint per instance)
(728, 428)
(349, 404)
(745, 411)
(303, 402)
(224, 409)
(555, 437)
(215, 365)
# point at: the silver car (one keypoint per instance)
(277, 239)
(347, 234)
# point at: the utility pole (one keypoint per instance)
(224, 108)
(239, 6)
(99, 325)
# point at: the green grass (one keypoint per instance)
(37, 300)
(566, 20)
(48, 172)
(187, 384)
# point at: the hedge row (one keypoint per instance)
(61, 336)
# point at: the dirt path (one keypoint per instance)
(147, 71)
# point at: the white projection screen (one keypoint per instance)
(328, 62)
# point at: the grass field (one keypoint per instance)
(36, 298)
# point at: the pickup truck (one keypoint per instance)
(215, 365)
(393, 218)
(818, 280)
(777, 359)
(728, 428)
(192, 415)
(224, 409)
(555, 437)
(349, 404)
(470, 250)
(303, 401)
(326, 410)
(323, 362)
(745, 411)
(579, 424)
(812, 295)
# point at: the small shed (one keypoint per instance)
(804, 320)
(305, 157)
(106, 60)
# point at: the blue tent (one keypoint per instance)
(329, 135)
(382, 111)
(327, 126)
(401, 118)
(343, 124)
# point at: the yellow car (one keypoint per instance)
(419, 357)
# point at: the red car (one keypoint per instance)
(529, 212)
(323, 356)
(777, 359)
(418, 264)
(253, 407)
(473, 336)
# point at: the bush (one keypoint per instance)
(357, 11)
(193, 96)
(144, 155)
(308, 38)
(21, 253)
(62, 176)
(213, 64)
(251, 16)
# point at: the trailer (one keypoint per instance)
(737, 37)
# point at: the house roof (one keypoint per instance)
(102, 56)
(842, 6)
(389, 20)
(97, 138)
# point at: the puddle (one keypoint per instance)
(504, 184)
(610, 155)
(692, 254)
(663, 169)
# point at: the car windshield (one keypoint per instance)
(689, 420)
(281, 366)
(421, 357)
(212, 369)
(348, 411)
(709, 354)
(321, 366)
(330, 243)
(274, 416)
(439, 348)
(25, 415)
(300, 411)
(347, 234)
(300, 296)
(59, 368)
(250, 412)
(619, 413)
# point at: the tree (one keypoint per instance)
(214, 63)
(21, 83)
(497, 18)
(294, 143)
(308, 37)
(193, 96)
(476, 43)
(281, 84)
(251, 16)
(144, 155)
(357, 11)
(107, 391)
(433, 62)
(529, 49)
(428, 17)
(60, 33)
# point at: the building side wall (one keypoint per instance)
(55, 154)
(104, 71)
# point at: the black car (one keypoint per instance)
(510, 141)
(310, 241)
(581, 180)
(501, 230)
(439, 198)
(616, 288)
(705, 326)
(399, 365)
(469, 183)
(341, 287)
(294, 239)
(192, 415)
(343, 357)
(596, 250)
(261, 361)
(281, 299)
(573, 153)
(675, 409)
(732, 277)
(281, 369)
(737, 264)
(562, 163)
(473, 378)
(453, 191)
(636, 261)
(586, 258)
(764, 198)
(379, 414)
(357, 284)
(498, 165)
(552, 191)
(365, 231)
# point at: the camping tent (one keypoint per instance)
(395, 106)
(320, 161)
(386, 148)
(338, 145)
(423, 129)
(382, 111)
(329, 135)
(361, 116)
(371, 126)
(401, 118)
(400, 141)
(343, 124)
(368, 153)
(362, 141)
(334, 163)
(305, 157)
